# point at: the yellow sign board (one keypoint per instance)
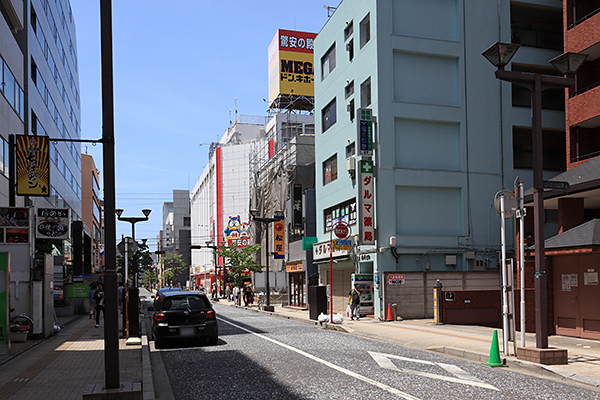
(291, 69)
(33, 165)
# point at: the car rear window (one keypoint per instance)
(192, 302)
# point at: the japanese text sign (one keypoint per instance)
(365, 132)
(33, 168)
(279, 239)
(366, 203)
(291, 64)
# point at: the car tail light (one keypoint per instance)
(211, 314)
(160, 317)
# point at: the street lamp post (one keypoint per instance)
(213, 247)
(266, 221)
(500, 54)
(133, 312)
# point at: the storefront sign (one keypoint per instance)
(396, 279)
(33, 168)
(297, 222)
(279, 239)
(308, 242)
(294, 267)
(237, 232)
(342, 244)
(366, 203)
(321, 251)
(52, 223)
(78, 291)
(365, 132)
(14, 225)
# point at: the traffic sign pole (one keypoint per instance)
(342, 231)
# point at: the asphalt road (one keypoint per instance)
(264, 357)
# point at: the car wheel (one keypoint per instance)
(213, 340)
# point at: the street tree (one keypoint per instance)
(150, 277)
(173, 264)
(141, 261)
(239, 261)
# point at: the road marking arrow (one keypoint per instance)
(384, 361)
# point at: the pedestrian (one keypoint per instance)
(247, 295)
(214, 290)
(236, 294)
(99, 299)
(120, 292)
(91, 301)
(228, 293)
(354, 302)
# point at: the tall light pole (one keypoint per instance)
(134, 312)
(111, 322)
(500, 54)
(266, 221)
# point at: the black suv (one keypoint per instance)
(184, 315)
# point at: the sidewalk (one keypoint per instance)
(466, 341)
(65, 365)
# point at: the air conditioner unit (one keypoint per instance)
(348, 46)
(349, 108)
(351, 166)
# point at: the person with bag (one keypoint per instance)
(99, 299)
(354, 302)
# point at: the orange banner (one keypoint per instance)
(279, 239)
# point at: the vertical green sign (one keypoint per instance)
(365, 132)
(4, 298)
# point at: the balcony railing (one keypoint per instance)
(588, 16)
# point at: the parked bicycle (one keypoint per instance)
(261, 301)
(21, 323)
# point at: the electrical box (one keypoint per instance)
(351, 165)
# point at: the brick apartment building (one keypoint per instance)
(573, 256)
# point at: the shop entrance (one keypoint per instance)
(297, 289)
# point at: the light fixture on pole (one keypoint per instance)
(500, 54)
(134, 314)
(266, 221)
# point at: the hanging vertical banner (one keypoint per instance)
(365, 132)
(366, 204)
(33, 168)
(279, 238)
(297, 222)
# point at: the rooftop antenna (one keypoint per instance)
(235, 107)
(230, 116)
(330, 10)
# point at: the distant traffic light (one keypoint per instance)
(159, 252)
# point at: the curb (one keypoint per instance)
(324, 325)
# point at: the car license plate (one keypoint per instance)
(187, 331)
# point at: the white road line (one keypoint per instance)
(383, 360)
(331, 365)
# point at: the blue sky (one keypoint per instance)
(177, 71)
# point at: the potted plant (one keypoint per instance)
(63, 308)
(18, 333)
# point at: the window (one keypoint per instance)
(351, 109)
(4, 154)
(365, 31)
(350, 89)
(345, 211)
(186, 221)
(554, 149)
(349, 30)
(309, 129)
(329, 115)
(365, 93)
(328, 62)
(534, 26)
(330, 170)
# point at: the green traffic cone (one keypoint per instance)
(494, 360)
